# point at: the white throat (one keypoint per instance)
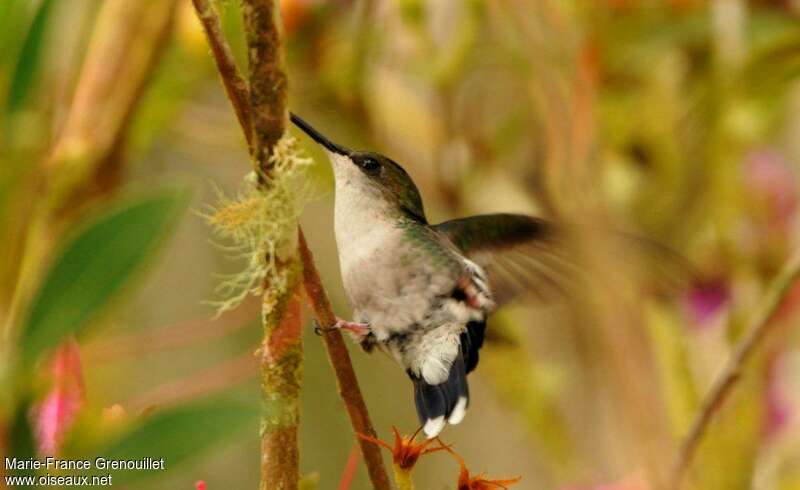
(360, 211)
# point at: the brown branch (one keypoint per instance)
(761, 325)
(281, 359)
(345, 376)
(282, 348)
(337, 352)
(235, 85)
(268, 84)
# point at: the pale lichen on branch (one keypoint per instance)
(260, 225)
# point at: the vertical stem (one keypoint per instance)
(281, 379)
(268, 82)
(282, 349)
(402, 478)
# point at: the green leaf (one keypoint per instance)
(180, 433)
(94, 266)
(29, 58)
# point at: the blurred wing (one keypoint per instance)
(660, 268)
(522, 255)
(526, 256)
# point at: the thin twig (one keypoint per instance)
(235, 85)
(760, 326)
(350, 468)
(337, 352)
(340, 360)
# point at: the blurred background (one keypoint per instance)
(678, 120)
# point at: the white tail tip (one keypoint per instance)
(459, 411)
(433, 427)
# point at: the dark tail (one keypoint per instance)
(471, 342)
(443, 403)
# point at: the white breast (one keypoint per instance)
(369, 246)
(358, 226)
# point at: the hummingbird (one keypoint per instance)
(423, 292)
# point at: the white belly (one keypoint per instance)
(386, 281)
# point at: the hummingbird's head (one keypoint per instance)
(369, 178)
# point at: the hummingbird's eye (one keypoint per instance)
(369, 164)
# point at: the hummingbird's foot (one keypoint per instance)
(357, 331)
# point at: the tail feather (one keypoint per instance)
(442, 403)
(471, 342)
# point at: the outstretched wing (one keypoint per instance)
(530, 256)
(521, 254)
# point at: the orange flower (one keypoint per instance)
(479, 481)
(405, 452)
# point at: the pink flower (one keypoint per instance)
(200, 485)
(705, 300)
(59, 408)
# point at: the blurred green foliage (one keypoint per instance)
(29, 58)
(93, 267)
(179, 433)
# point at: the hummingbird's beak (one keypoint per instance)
(317, 136)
